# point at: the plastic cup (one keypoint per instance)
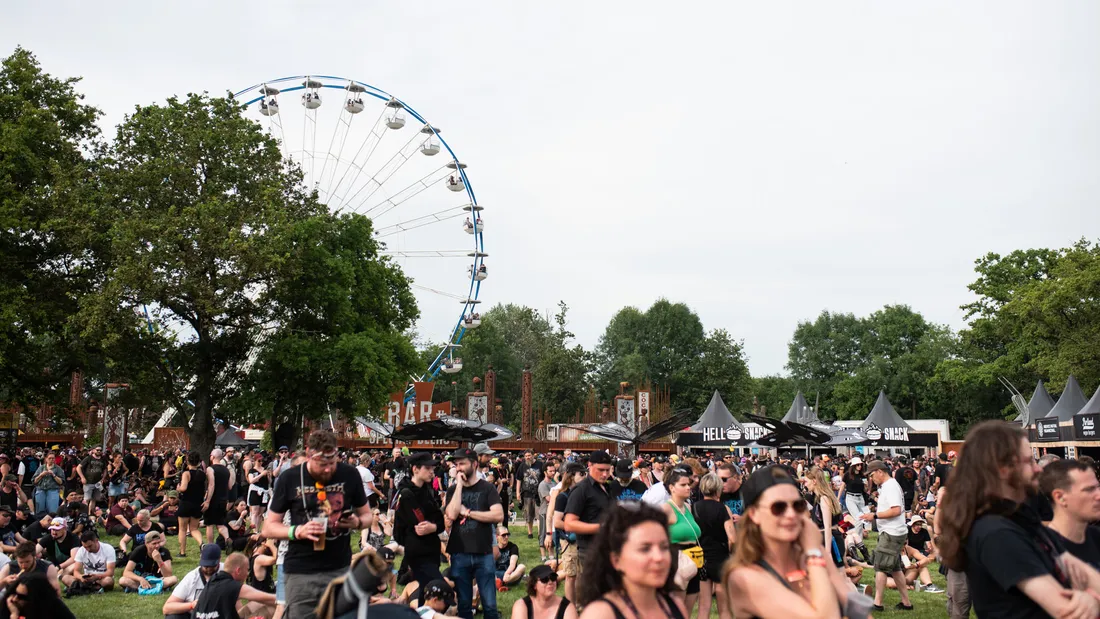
(323, 521)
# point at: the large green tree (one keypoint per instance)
(47, 230)
(561, 373)
(824, 352)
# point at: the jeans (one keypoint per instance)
(47, 500)
(465, 569)
(856, 507)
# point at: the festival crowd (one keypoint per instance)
(748, 536)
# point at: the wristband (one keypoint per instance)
(290, 533)
(815, 562)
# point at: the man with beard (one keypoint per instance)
(730, 476)
(473, 505)
(1014, 565)
(326, 502)
(418, 521)
(90, 471)
(1074, 492)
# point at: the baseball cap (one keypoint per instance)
(623, 468)
(211, 556)
(284, 448)
(464, 453)
(172, 494)
(541, 571)
(762, 479)
(387, 554)
(440, 590)
(57, 524)
(599, 457)
(482, 449)
(7, 509)
(877, 465)
(422, 458)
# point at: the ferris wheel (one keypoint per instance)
(365, 151)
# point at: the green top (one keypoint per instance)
(685, 530)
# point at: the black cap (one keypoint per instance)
(762, 479)
(599, 457)
(440, 590)
(421, 458)
(542, 571)
(464, 453)
(387, 554)
(624, 468)
(7, 509)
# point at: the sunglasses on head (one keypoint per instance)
(780, 507)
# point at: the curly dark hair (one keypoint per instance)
(600, 577)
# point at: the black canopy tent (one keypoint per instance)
(800, 411)
(1069, 403)
(717, 428)
(1040, 403)
(884, 427)
(230, 438)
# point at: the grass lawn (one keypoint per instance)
(117, 605)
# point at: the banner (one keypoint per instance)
(1047, 430)
(477, 407)
(418, 408)
(1085, 427)
(625, 407)
(114, 429)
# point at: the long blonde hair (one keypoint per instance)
(823, 490)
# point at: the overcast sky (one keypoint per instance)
(758, 161)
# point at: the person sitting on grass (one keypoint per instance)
(185, 596)
(506, 556)
(166, 512)
(121, 516)
(142, 526)
(438, 598)
(94, 565)
(919, 550)
(226, 588)
(542, 600)
(26, 561)
(149, 560)
(59, 546)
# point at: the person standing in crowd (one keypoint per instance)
(1074, 492)
(683, 531)
(90, 471)
(855, 500)
(219, 598)
(368, 480)
(115, 476)
(473, 505)
(215, 505)
(542, 600)
(1015, 566)
(186, 593)
(777, 543)
(192, 489)
(283, 462)
(630, 566)
(418, 521)
(326, 502)
(825, 512)
(587, 503)
(624, 487)
(716, 535)
(892, 534)
(259, 479)
(546, 486)
(393, 473)
(527, 479)
(730, 476)
(565, 542)
(47, 485)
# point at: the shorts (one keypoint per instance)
(568, 564)
(118, 489)
(93, 492)
(257, 499)
(530, 509)
(887, 555)
(189, 510)
(215, 516)
(280, 587)
(712, 569)
(693, 584)
(500, 574)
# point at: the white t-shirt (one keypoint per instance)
(890, 495)
(96, 563)
(367, 476)
(656, 495)
(190, 587)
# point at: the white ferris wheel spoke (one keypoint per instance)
(407, 193)
(420, 222)
(369, 143)
(379, 178)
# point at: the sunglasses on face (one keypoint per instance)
(780, 507)
(506, 535)
(552, 578)
(725, 479)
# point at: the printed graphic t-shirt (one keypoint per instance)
(343, 495)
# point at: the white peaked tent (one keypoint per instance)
(885, 422)
(1069, 403)
(800, 411)
(716, 416)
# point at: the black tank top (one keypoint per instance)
(673, 609)
(10, 499)
(262, 482)
(531, 608)
(196, 487)
(267, 585)
(221, 483)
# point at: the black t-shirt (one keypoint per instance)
(138, 535)
(344, 495)
(168, 517)
(219, 599)
(734, 501)
(588, 501)
(397, 470)
(131, 461)
(943, 469)
(57, 551)
(33, 531)
(632, 491)
(1087, 551)
(145, 564)
(711, 516)
(529, 477)
(506, 555)
(71, 510)
(1040, 504)
(468, 536)
(1002, 552)
(906, 477)
(93, 469)
(917, 540)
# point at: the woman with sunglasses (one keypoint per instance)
(779, 569)
(683, 531)
(566, 543)
(628, 569)
(542, 600)
(826, 513)
(33, 597)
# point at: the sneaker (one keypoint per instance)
(932, 589)
(900, 606)
(530, 536)
(863, 589)
(878, 608)
(500, 584)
